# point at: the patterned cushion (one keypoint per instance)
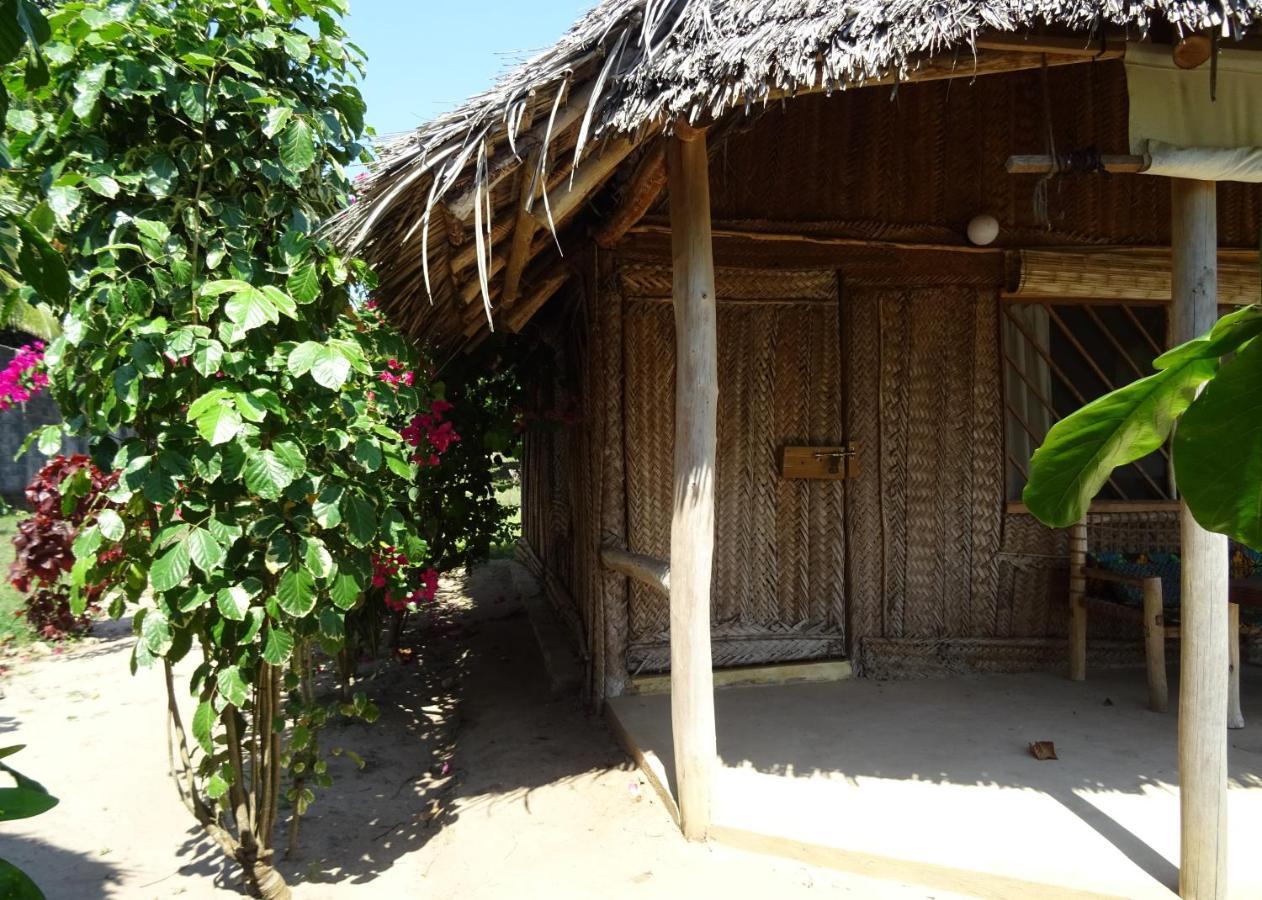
(1245, 561)
(1139, 565)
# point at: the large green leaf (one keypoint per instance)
(345, 590)
(1218, 450)
(160, 174)
(1083, 449)
(232, 686)
(216, 417)
(111, 525)
(233, 602)
(296, 592)
(278, 647)
(155, 629)
(204, 551)
(250, 308)
(1228, 335)
(203, 726)
(88, 88)
(328, 365)
(361, 520)
(16, 884)
(22, 803)
(170, 569)
(297, 146)
(267, 474)
(304, 282)
(325, 509)
(41, 265)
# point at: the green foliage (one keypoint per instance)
(186, 154)
(26, 798)
(1217, 445)
(32, 272)
(457, 505)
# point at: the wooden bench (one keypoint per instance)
(1151, 616)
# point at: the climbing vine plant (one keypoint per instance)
(182, 156)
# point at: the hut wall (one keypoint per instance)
(572, 500)
(917, 161)
(914, 566)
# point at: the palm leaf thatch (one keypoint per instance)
(516, 162)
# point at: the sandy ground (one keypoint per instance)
(477, 784)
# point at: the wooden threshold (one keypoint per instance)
(1016, 507)
(748, 676)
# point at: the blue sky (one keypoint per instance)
(425, 56)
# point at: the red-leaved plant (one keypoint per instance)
(61, 495)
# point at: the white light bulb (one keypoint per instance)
(983, 229)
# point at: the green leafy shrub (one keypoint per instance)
(184, 155)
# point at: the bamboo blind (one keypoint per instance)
(1119, 277)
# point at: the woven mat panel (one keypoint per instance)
(941, 657)
(736, 644)
(851, 157)
(780, 547)
(926, 493)
(987, 466)
(864, 525)
(1034, 584)
(649, 351)
(648, 281)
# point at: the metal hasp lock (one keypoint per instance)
(834, 458)
(819, 463)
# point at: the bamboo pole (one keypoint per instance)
(1204, 660)
(1235, 716)
(648, 570)
(1077, 602)
(1155, 646)
(692, 519)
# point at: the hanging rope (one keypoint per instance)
(1040, 190)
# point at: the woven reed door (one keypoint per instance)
(926, 411)
(779, 566)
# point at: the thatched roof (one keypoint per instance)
(452, 215)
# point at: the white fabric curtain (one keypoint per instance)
(1187, 134)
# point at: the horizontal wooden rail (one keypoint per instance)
(1038, 164)
(645, 569)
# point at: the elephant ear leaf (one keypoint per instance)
(1218, 450)
(1083, 449)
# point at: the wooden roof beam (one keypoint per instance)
(517, 317)
(646, 185)
(523, 231)
(579, 184)
(1060, 45)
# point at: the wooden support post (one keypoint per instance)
(1204, 660)
(1155, 646)
(1077, 605)
(1235, 717)
(692, 519)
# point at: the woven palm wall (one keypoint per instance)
(925, 411)
(779, 566)
(914, 160)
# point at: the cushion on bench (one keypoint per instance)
(1137, 565)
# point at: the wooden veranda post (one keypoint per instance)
(692, 519)
(1204, 660)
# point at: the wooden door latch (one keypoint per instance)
(819, 463)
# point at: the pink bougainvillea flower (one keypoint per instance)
(24, 376)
